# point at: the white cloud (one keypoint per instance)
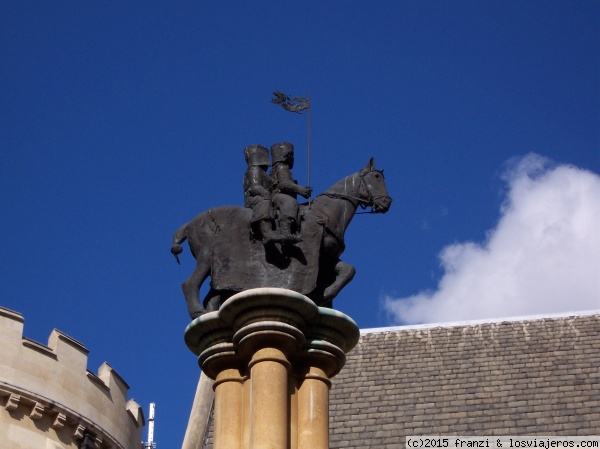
(542, 257)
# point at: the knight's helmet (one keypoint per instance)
(256, 155)
(282, 152)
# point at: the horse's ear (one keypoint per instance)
(369, 167)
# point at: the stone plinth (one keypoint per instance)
(271, 353)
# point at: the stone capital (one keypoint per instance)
(272, 353)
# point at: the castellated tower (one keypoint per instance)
(49, 400)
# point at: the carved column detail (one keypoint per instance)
(272, 353)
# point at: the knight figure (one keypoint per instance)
(285, 189)
(257, 192)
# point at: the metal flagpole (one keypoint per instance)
(308, 180)
(297, 105)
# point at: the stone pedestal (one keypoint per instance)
(271, 353)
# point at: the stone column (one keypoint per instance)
(329, 335)
(246, 417)
(268, 327)
(269, 404)
(293, 392)
(313, 410)
(218, 360)
(228, 415)
(271, 352)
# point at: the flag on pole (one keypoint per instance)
(297, 105)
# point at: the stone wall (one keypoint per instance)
(49, 400)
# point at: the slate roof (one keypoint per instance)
(527, 376)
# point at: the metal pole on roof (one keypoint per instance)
(150, 444)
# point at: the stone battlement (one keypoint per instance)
(53, 388)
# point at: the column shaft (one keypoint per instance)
(228, 417)
(313, 410)
(246, 415)
(293, 392)
(269, 400)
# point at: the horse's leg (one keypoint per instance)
(344, 273)
(212, 300)
(191, 288)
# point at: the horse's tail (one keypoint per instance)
(179, 237)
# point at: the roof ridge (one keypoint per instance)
(479, 321)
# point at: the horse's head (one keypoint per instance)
(373, 192)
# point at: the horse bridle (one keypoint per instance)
(371, 199)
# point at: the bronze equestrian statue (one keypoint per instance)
(226, 249)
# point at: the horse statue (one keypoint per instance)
(221, 241)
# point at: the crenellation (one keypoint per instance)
(97, 381)
(73, 354)
(52, 384)
(113, 381)
(11, 324)
(135, 412)
(42, 349)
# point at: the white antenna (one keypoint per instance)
(151, 444)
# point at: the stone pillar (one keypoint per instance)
(219, 361)
(269, 399)
(329, 335)
(228, 415)
(246, 417)
(313, 410)
(293, 392)
(271, 353)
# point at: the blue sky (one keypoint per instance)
(120, 122)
